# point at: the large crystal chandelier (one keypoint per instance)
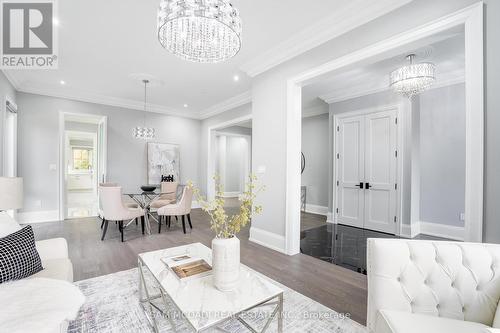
(412, 79)
(143, 132)
(205, 31)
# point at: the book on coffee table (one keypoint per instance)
(186, 267)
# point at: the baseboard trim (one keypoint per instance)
(330, 218)
(195, 204)
(231, 194)
(268, 239)
(315, 209)
(410, 230)
(441, 230)
(38, 216)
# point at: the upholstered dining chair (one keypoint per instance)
(113, 209)
(169, 190)
(182, 208)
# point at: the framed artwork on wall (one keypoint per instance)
(163, 160)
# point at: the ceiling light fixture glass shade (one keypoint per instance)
(206, 31)
(143, 132)
(412, 79)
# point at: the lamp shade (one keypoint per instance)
(11, 193)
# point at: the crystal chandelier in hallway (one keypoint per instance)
(414, 78)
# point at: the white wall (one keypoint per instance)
(269, 104)
(127, 164)
(315, 147)
(6, 89)
(215, 121)
(231, 164)
(442, 155)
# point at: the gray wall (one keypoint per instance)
(6, 89)
(39, 145)
(315, 136)
(491, 229)
(442, 155)
(269, 99)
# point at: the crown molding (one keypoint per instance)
(106, 100)
(227, 105)
(353, 15)
(315, 111)
(13, 81)
(355, 92)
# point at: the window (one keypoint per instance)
(82, 158)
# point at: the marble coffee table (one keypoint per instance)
(198, 301)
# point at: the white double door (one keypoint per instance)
(367, 171)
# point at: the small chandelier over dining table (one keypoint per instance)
(143, 132)
(414, 78)
(206, 31)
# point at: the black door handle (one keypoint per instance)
(360, 185)
(367, 186)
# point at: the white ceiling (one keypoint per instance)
(445, 50)
(106, 46)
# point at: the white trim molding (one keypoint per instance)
(108, 100)
(38, 216)
(442, 230)
(471, 18)
(330, 218)
(316, 209)
(446, 79)
(267, 239)
(353, 14)
(231, 194)
(227, 105)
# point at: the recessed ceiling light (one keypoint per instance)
(185, 105)
(55, 21)
(62, 82)
(236, 78)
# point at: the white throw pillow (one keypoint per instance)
(7, 225)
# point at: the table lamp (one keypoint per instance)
(11, 193)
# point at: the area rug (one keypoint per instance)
(112, 306)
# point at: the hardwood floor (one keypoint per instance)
(335, 287)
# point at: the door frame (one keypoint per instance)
(247, 167)
(211, 151)
(471, 18)
(400, 148)
(5, 148)
(94, 119)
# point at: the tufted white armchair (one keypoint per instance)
(433, 286)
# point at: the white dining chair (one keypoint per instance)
(182, 208)
(113, 209)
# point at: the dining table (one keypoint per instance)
(144, 199)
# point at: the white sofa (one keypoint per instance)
(433, 287)
(35, 315)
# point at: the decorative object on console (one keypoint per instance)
(148, 188)
(18, 255)
(143, 132)
(225, 245)
(412, 79)
(204, 31)
(11, 193)
(163, 159)
(167, 179)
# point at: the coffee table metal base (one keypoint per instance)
(151, 309)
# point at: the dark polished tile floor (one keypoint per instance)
(342, 245)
